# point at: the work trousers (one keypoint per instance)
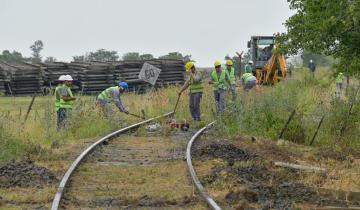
(62, 114)
(220, 100)
(249, 85)
(338, 90)
(106, 108)
(232, 89)
(194, 105)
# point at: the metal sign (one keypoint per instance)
(149, 73)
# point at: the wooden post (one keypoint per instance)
(316, 132)
(287, 123)
(29, 108)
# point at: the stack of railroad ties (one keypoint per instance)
(172, 73)
(22, 78)
(2, 81)
(89, 77)
(52, 72)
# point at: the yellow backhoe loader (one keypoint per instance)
(269, 67)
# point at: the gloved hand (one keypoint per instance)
(126, 112)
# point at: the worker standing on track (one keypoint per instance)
(196, 89)
(219, 78)
(63, 100)
(339, 84)
(112, 94)
(230, 70)
(248, 80)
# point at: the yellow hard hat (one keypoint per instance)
(189, 65)
(229, 62)
(217, 63)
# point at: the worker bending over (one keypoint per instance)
(220, 80)
(230, 70)
(248, 80)
(112, 94)
(63, 100)
(196, 89)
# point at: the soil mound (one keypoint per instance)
(225, 151)
(25, 174)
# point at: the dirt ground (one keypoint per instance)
(141, 171)
(243, 175)
(148, 171)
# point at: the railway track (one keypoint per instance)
(142, 171)
(132, 171)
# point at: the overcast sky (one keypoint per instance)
(206, 29)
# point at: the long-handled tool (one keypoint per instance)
(135, 115)
(176, 105)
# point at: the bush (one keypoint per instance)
(265, 113)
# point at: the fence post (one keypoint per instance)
(287, 123)
(316, 132)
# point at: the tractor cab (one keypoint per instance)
(268, 68)
(261, 50)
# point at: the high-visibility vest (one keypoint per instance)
(231, 75)
(248, 77)
(339, 78)
(105, 95)
(219, 83)
(196, 87)
(248, 68)
(59, 101)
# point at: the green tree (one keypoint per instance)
(12, 57)
(36, 49)
(80, 58)
(146, 57)
(100, 55)
(131, 56)
(50, 59)
(103, 55)
(176, 55)
(325, 27)
(318, 59)
(172, 55)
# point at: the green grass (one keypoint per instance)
(265, 113)
(39, 132)
(260, 114)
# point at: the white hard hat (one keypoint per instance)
(250, 61)
(311, 61)
(65, 78)
(62, 78)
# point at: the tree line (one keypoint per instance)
(330, 28)
(101, 55)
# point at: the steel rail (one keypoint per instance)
(194, 177)
(77, 162)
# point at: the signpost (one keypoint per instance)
(149, 73)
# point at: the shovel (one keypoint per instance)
(176, 105)
(138, 116)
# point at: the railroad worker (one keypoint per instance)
(230, 70)
(63, 100)
(220, 80)
(196, 89)
(248, 80)
(249, 67)
(312, 66)
(112, 94)
(339, 84)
